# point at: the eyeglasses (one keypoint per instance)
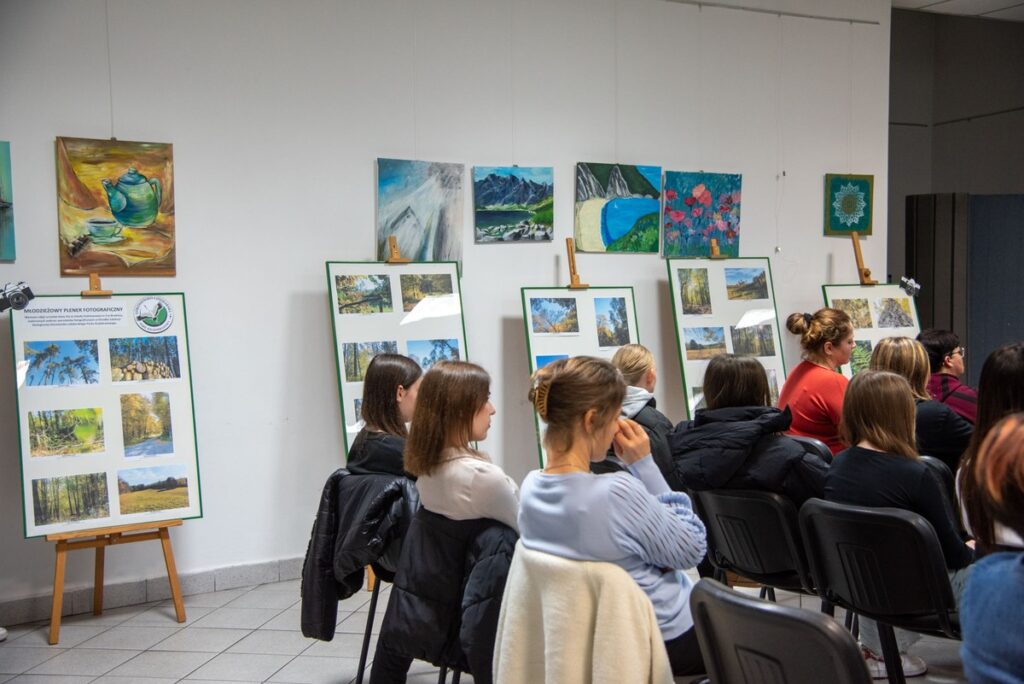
(960, 350)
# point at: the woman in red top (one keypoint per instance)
(814, 390)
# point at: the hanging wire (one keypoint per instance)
(511, 77)
(615, 73)
(849, 69)
(780, 171)
(110, 76)
(412, 71)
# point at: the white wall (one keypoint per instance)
(277, 111)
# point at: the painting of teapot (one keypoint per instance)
(134, 199)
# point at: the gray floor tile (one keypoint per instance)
(6, 677)
(265, 599)
(165, 616)
(113, 616)
(70, 635)
(356, 624)
(130, 638)
(175, 664)
(18, 659)
(18, 631)
(287, 620)
(109, 679)
(309, 670)
(214, 599)
(343, 645)
(288, 585)
(84, 661)
(202, 639)
(50, 679)
(217, 681)
(238, 618)
(274, 642)
(241, 667)
(355, 602)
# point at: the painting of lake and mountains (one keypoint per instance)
(617, 208)
(513, 203)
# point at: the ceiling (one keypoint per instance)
(1007, 10)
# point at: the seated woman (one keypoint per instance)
(735, 443)
(632, 519)
(814, 389)
(389, 398)
(946, 360)
(940, 431)
(990, 613)
(882, 469)
(636, 363)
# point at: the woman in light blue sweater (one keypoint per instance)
(632, 519)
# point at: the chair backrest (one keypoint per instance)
(884, 563)
(814, 446)
(745, 640)
(947, 482)
(755, 534)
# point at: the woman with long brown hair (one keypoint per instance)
(389, 398)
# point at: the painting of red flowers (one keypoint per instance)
(700, 207)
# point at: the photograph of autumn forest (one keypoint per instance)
(754, 340)
(144, 490)
(146, 424)
(144, 358)
(62, 362)
(554, 315)
(71, 431)
(69, 499)
(363, 294)
(357, 356)
(417, 287)
(612, 321)
(694, 292)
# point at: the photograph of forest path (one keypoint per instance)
(146, 424)
(417, 287)
(746, 283)
(357, 356)
(703, 343)
(363, 294)
(612, 321)
(71, 431)
(69, 499)
(694, 292)
(144, 358)
(856, 309)
(428, 352)
(62, 362)
(554, 315)
(144, 490)
(754, 340)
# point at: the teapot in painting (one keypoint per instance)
(134, 200)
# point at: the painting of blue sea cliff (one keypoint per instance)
(617, 208)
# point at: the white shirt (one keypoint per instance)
(467, 486)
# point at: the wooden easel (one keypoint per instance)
(574, 276)
(101, 539)
(394, 254)
(863, 272)
(716, 252)
(95, 288)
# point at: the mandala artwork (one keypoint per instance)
(848, 204)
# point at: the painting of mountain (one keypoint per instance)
(420, 203)
(513, 203)
(617, 208)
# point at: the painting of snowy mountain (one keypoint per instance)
(420, 203)
(617, 208)
(513, 203)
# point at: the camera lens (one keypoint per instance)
(17, 300)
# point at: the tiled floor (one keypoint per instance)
(249, 635)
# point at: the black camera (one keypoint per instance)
(15, 296)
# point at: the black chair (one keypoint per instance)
(814, 446)
(947, 481)
(883, 563)
(748, 641)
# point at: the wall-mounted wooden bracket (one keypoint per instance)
(574, 276)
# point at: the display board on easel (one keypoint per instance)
(400, 307)
(724, 306)
(877, 312)
(105, 412)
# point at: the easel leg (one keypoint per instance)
(97, 584)
(58, 591)
(172, 574)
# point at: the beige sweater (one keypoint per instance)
(574, 622)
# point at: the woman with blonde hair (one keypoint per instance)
(814, 389)
(940, 431)
(881, 469)
(632, 519)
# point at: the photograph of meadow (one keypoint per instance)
(754, 340)
(554, 316)
(71, 431)
(70, 498)
(146, 424)
(417, 287)
(357, 356)
(860, 358)
(746, 283)
(892, 312)
(363, 294)
(612, 321)
(694, 292)
(145, 490)
(856, 309)
(428, 352)
(62, 363)
(545, 359)
(144, 358)
(703, 343)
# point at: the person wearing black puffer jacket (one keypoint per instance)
(736, 443)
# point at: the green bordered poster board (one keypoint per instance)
(877, 312)
(412, 308)
(724, 306)
(105, 412)
(561, 322)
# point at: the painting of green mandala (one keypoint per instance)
(848, 204)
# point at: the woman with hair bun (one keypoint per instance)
(814, 389)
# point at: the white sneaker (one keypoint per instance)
(913, 666)
(3, 634)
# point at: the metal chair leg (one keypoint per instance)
(443, 676)
(891, 653)
(456, 677)
(369, 631)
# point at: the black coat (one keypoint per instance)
(942, 433)
(740, 448)
(361, 521)
(657, 427)
(446, 598)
